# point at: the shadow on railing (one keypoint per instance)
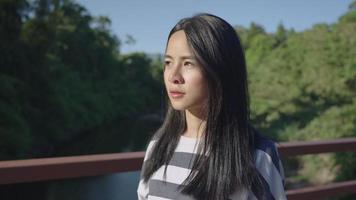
(31, 170)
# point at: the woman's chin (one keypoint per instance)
(180, 108)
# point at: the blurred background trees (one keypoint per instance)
(66, 89)
(62, 77)
(303, 87)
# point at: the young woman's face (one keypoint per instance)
(183, 77)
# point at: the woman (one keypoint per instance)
(206, 147)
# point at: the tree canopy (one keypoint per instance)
(65, 87)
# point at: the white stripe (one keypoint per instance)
(149, 149)
(185, 144)
(270, 173)
(188, 145)
(157, 198)
(142, 190)
(174, 174)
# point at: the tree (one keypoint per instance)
(281, 34)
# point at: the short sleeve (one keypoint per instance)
(270, 169)
(142, 189)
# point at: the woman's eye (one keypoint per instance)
(167, 63)
(189, 64)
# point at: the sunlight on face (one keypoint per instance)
(183, 77)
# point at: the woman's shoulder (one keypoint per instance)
(152, 141)
(266, 145)
(269, 166)
(149, 146)
(266, 151)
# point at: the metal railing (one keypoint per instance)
(287, 149)
(43, 169)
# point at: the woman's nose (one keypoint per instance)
(176, 76)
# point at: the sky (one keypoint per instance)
(149, 21)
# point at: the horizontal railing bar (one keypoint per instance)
(30, 170)
(323, 191)
(287, 149)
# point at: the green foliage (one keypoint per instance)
(281, 34)
(62, 76)
(334, 122)
(65, 87)
(302, 87)
(14, 131)
(350, 16)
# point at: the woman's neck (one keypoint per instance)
(195, 124)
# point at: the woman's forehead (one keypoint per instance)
(178, 47)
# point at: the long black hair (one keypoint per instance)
(226, 161)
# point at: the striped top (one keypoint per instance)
(267, 163)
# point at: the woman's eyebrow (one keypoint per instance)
(182, 57)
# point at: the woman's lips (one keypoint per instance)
(176, 95)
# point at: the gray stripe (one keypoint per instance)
(167, 190)
(180, 159)
(183, 159)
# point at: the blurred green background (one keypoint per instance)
(66, 89)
